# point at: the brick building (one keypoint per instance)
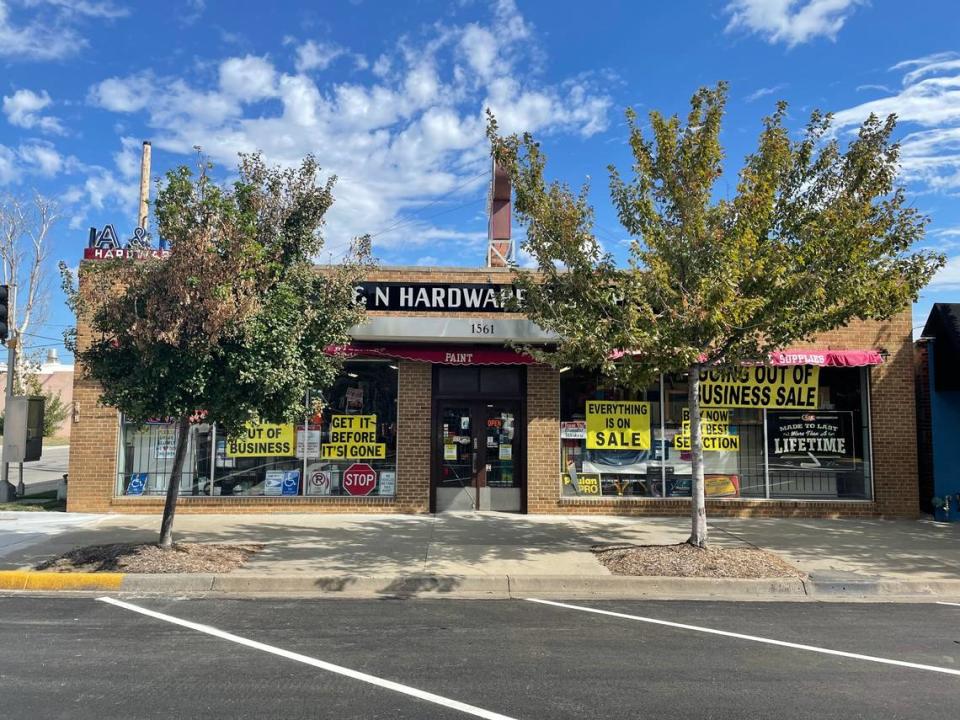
(446, 417)
(435, 412)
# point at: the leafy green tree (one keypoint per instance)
(814, 237)
(233, 325)
(55, 410)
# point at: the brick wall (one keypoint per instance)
(94, 434)
(543, 439)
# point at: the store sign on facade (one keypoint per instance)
(106, 245)
(436, 297)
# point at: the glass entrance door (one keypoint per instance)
(477, 447)
(499, 487)
(456, 448)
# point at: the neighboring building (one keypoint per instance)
(55, 377)
(435, 412)
(938, 409)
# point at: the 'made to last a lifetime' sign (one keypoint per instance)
(618, 425)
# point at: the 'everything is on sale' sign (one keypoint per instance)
(353, 437)
(618, 425)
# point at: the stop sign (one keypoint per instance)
(359, 479)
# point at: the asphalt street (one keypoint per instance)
(63, 657)
(43, 474)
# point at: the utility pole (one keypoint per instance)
(11, 368)
(143, 218)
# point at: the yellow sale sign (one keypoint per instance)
(262, 440)
(353, 437)
(618, 425)
(787, 387)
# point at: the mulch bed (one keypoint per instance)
(685, 560)
(149, 558)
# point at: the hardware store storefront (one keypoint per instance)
(434, 412)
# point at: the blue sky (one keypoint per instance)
(390, 97)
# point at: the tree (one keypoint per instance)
(55, 410)
(814, 237)
(233, 325)
(25, 226)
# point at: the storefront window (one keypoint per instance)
(358, 439)
(610, 439)
(818, 448)
(347, 448)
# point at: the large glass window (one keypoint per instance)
(820, 452)
(345, 445)
(610, 439)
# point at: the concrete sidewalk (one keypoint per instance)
(488, 552)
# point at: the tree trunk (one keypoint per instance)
(173, 488)
(698, 507)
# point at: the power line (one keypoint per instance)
(42, 337)
(403, 223)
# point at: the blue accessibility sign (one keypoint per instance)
(137, 484)
(291, 482)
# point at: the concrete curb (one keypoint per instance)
(503, 587)
(35, 580)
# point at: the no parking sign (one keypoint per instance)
(320, 482)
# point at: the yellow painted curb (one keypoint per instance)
(31, 580)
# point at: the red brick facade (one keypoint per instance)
(95, 434)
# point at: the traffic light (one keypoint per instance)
(4, 312)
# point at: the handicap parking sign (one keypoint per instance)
(138, 483)
(291, 482)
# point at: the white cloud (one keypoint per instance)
(23, 110)
(313, 55)
(128, 94)
(763, 92)
(49, 29)
(948, 278)
(928, 105)
(408, 135)
(87, 8)
(790, 21)
(41, 158)
(8, 165)
(248, 78)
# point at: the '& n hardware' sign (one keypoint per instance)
(106, 245)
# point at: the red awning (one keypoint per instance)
(443, 355)
(827, 358)
(460, 355)
(823, 358)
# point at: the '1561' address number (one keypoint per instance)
(482, 328)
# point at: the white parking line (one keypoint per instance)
(306, 660)
(943, 602)
(753, 638)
